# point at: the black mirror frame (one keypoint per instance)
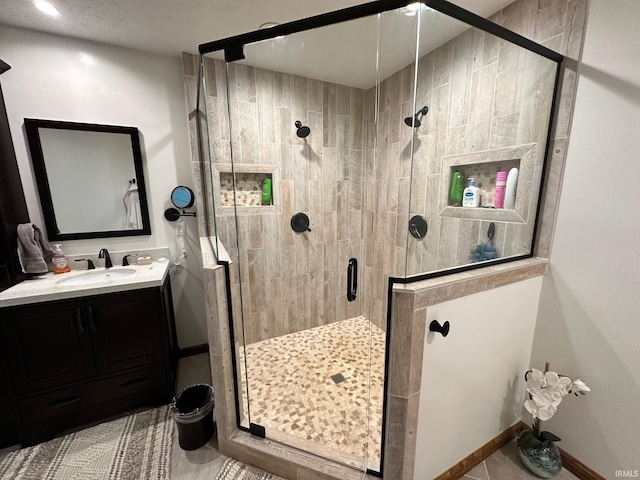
(31, 126)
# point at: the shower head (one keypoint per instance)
(302, 130)
(415, 121)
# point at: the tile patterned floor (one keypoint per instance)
(505, 465)
(206, 462)
(292, 393)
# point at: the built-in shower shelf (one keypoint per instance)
(241, 187)
(483, 167)
(489, 214)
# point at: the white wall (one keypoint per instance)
(473, 380)
(589, 324)
(59, 78)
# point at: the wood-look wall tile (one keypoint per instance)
(282, 90)
(408, 78)
(284, 150)
(316, 277)
(343, 144)
(273, 308)
(300, 178)
(550, 19)
(461, 76)
(481, 107)
(329, 110)
(356, 114)
(271, 245)
(255, 258)
(189, 64)
(256, 232)
(315, 200)
(248, 127)
(265, 97)
(342, 208)
(329, 179)
(330, 292)
(356, 179)
(287, 195)
(245, 77)
(520, 17)
(314, 95)
(299, 103)
(302, 241)
(440, 112)
(447, 243)
(393, 98)
(574, 27)
(343, 94)
(382, 137)
(504, 130)
(442, 65)
(508, 62)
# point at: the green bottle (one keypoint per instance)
(456, 189)
(266, 191)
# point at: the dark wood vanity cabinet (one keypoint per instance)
(75, 361)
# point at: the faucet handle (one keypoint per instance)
(90, 265)
(125, 259)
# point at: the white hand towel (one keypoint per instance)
(132, 205)
(34, 252)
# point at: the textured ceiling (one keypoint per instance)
(170, 27)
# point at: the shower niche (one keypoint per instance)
(246, 187)
(483, 167)
(357, 118)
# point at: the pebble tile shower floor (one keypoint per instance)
(321, 389)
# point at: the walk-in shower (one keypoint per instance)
(309, 301)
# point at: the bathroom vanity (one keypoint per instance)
(79, 353)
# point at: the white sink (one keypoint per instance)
(99, 276)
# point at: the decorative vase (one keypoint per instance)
(541, 457)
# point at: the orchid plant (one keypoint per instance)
(546, 391)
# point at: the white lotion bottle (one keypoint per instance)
(510, 189)
(471, 195)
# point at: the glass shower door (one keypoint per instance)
(301, 134)
(295, 188)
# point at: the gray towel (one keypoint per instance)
(34, 251)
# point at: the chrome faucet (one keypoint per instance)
(104, 253)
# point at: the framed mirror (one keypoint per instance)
(89, 179)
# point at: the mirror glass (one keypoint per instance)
(89, 179)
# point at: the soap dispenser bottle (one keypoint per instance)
(60, 261)
(471, 196)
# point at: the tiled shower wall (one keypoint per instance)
(475, 105)
(290, 281)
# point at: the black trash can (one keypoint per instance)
(192, 410)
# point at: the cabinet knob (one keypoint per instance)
(434, 326)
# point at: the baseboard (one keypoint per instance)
(488, 449)
(193, 350)
(578, 468)
(569, 462)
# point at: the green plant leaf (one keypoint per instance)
(544, 436)
(528, 440)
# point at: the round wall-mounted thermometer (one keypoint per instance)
(182, 197)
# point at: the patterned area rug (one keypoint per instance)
(133, 447)
(234, 470)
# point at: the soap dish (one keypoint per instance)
(144, 261)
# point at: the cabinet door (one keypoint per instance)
(47, 345)
(126, 329)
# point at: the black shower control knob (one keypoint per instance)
(434, 326)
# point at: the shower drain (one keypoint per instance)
(338, 377)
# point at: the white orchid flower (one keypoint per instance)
(579, 387)
(547, 389)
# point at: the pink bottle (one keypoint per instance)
(501, 182)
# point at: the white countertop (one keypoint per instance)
(45, 288)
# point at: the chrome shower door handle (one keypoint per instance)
(352, 279)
